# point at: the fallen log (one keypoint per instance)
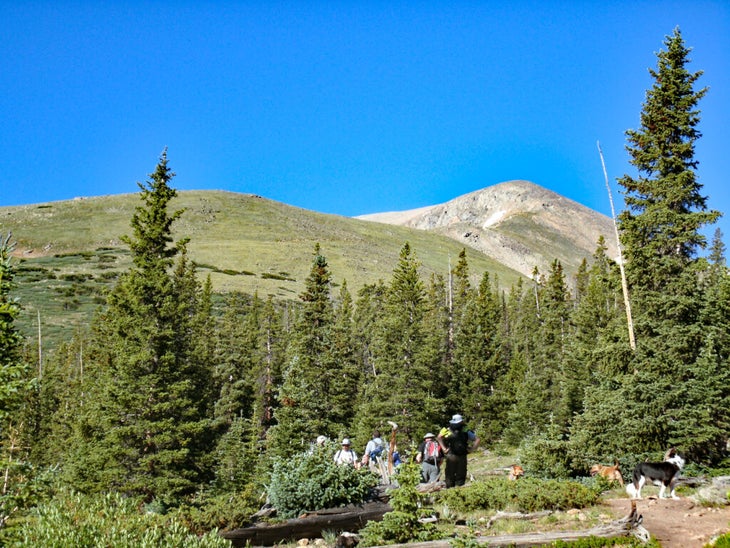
(426, 488)
(312, 525)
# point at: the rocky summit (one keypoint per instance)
(518, 223)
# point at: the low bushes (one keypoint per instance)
(73, 519)
(525, 495)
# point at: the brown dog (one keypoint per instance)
(611, 473)
(515, 471)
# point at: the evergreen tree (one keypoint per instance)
(343, 348)
(401, 387)
(706, 412)
(313, 394)
(50, 410)
(477, 366)
(143, 428)
(598, 325)
(13, 369)
(660, 230)
(368, 317)
(437, 345)
(14, 386)
(368, 312)
(248, 374)
(543, 395)
(522, 323)
(237, 357)
(661, 235)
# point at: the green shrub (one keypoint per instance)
(546, 455)
(269, 276)
(312, 481)
(25, 486)
(222, 511)
(72, 519)
(402, 525)
(722, 541)
(526, 495)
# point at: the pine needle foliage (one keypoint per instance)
(14, 387)
(402, 525)
(144, 426)
(661, 234)
(311, 480)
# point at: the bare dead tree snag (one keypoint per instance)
(624, 285)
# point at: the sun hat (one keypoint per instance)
(346, 441)
(456, 419)
(429, 435)
(321, 439)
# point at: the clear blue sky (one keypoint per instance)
(340, 106)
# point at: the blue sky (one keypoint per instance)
(344, 107)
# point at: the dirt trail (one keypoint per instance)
(677, 523)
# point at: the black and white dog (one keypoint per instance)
(665, 474)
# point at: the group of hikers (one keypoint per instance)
(450, 447)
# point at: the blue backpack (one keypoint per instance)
(376, 452)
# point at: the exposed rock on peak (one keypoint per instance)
(518, 223)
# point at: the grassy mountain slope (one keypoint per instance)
(71, 251)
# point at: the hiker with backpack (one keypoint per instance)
(429, 455)
(455, 442)
(373, 450)
(346, 455)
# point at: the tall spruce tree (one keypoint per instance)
(660, 230)
(661, 235)
(14, 386)
(313, 395)
(476, 366)
(12, 367)
(143, 427)
(401, 385)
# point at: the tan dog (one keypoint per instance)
(515, 471)
(611, 473)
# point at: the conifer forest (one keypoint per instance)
(176, 397)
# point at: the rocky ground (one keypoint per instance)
(677, 523)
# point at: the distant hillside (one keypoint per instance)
(518, 223)
(70, 251)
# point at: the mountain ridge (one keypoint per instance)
(70, 252)
(496, 220)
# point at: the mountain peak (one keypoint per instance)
(519, 223)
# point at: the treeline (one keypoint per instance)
(174, 391)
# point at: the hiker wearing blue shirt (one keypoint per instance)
(373, 450)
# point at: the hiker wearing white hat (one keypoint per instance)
(347, 455)
(429, 454)
(455, 442)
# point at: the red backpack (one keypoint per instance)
(431, 452)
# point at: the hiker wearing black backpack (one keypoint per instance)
(429, 455)
(455, 442)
